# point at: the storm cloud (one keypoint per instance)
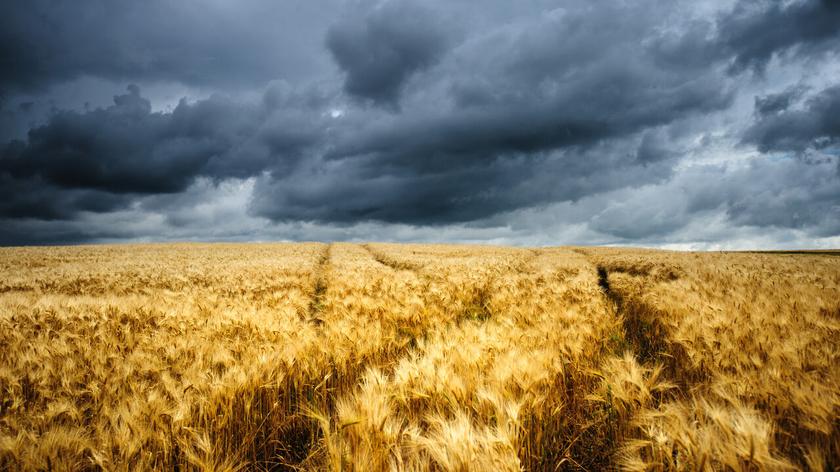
(382, 49)
(43, 42)
(782, 126)
(387, 119)
(755, 30)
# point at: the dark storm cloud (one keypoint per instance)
(478, 112)
(757, 29)
(344, 191)
(551, 94)
(516, 105)
(381, 49)
(814, 125)
(88, 160)
(218, 43)
(778, 102)
(17, 233)
(122, 148)
(35, 198)
(653, 148)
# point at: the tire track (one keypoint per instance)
(316, 302)
(395, 264)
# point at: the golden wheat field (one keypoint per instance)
(370, 357)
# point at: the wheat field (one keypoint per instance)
(370, 357)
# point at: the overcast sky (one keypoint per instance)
(681, 124)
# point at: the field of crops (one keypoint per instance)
(417, 357)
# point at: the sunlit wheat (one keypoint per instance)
(416, 357)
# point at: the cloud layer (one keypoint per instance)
(539, 123)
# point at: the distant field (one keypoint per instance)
(417, 357)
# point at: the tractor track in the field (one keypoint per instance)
(316, 301)
(388, 261)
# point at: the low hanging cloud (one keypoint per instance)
(392, 115)
(815, 124)
(762, 194)
(99, 160)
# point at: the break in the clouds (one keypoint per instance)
(677, 124)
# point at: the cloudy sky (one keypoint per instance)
(681, 124)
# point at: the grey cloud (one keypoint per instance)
(789, 194)
(652, 219)
(481, 114)
(122, 148)
(778, 102)
(358, 189)
(815, 125)
(770, 194)
(213, 43)
(652, 148)
(35, 198)
(128, 149)
(755, 30)
(563, 95)
(560, 102)
(382, 48)
(550, 82)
